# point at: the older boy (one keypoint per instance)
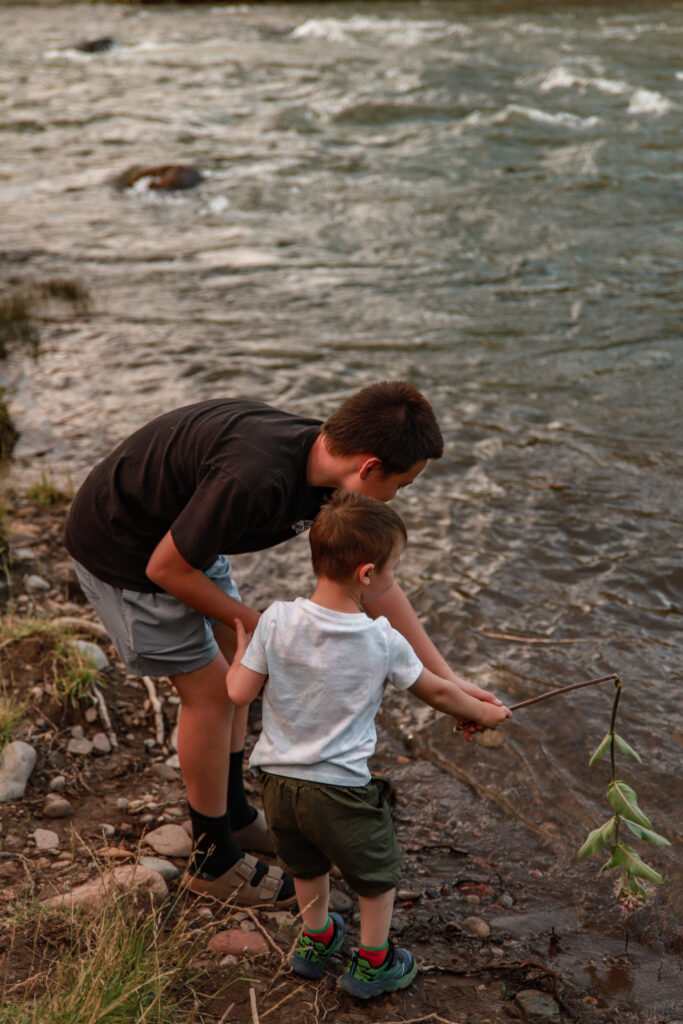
(326, 663)
(149, 531)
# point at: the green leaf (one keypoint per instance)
(598, 839)
(629, 859)
(647, 834)
(625, 802)
(626, 748)
(602, 749)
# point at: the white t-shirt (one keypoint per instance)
(326, 674)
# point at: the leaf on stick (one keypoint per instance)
(625, 802)
(626, 748)
(601, 749)
(598, 839)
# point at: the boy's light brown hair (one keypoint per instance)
(350, 530)
(391, 420)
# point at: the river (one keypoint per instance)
(481, 197)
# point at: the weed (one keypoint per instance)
(11, 714)
(23, 301)
(46, 494)
(125, 963)
(74, 674)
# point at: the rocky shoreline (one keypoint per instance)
(497, 922)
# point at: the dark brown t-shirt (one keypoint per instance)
(224, 476)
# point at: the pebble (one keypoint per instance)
(170, 841)
(35, 583)
(123, 803)
(93, 653)
(46, 839)
(57, 806)
(408, 894)
(58, 784)
(77, 732)
(101, 743)
(476, 926)
(164, 771)
(173, 761)
(205, 912)
(237, 942)
(167, 870)
(79, 746)
(17, 761)
(91, 715)
(108, 830)
(538, 1007)
(229, 961)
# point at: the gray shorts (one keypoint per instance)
(155, 634)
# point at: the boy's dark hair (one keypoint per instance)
(351, 529)
(391, 420)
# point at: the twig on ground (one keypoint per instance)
(263, 931)
(86, 625)
(284, 999)
(254, 1011)
(224, 1016)
(156, 705)
(104, 715)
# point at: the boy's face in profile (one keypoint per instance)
(383, 486)
(379, 581)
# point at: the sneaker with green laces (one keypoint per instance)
(310, 957)
(363, 980)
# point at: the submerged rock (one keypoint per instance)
(538, 1007)
(96, 45)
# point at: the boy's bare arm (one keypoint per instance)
(445, 695)
(400, 613)
(243, 684)
(168, 569)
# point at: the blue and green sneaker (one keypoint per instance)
(363, 980)
(310, 957)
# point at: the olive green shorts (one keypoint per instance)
(315, 825)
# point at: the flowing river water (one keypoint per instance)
(480, 197)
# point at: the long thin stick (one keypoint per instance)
(561, 689)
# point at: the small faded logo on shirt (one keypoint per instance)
(301, 526)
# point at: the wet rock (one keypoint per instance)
(238, 943)
(170, 841)
(82, 747)
(46, 839)
(170, 177)
(57, 806)
(92, 653)
(167, 870)
(92, 895)
(476, 926)
(538, 1007)
(97, 45)
(17, 761)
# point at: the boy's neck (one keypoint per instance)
(338, 597)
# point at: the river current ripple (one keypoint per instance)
(479, 197)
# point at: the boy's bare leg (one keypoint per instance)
(312, 895)
(204, 735)
(227, 641)
(375, 919)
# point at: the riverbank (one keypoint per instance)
(491, 909)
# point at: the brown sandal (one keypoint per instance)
(235, 884)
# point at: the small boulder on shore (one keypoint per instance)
(17, 761)
(171, 177)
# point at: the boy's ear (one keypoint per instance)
(370, 464)
(365, 573)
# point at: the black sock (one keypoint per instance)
(241, 811)
(215, 848)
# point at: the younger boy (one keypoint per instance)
(326, 663)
